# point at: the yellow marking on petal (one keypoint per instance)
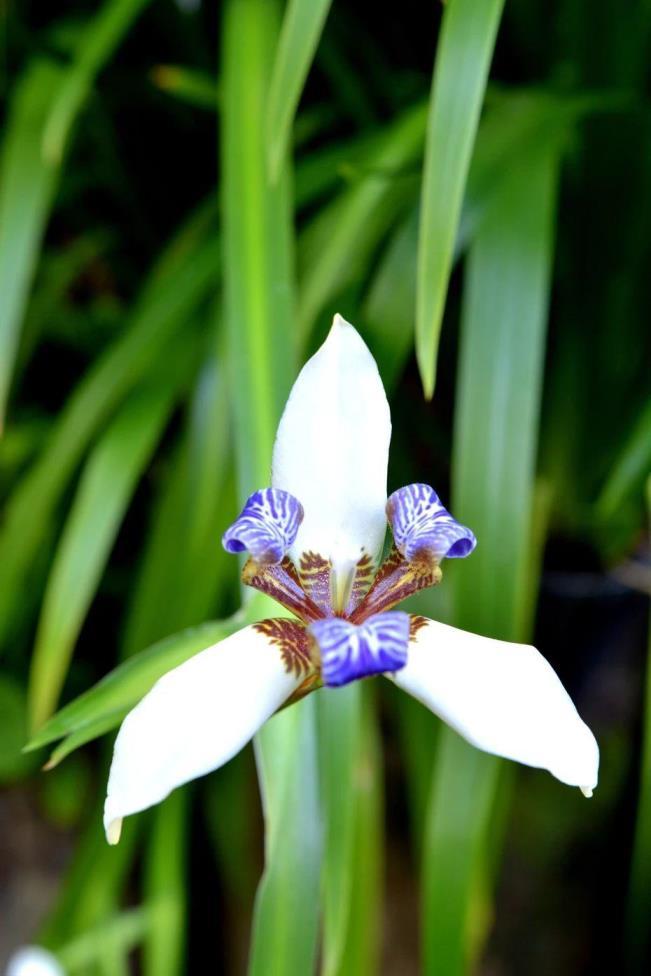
(396, 580)
(362, 580)
(315, 573)
(281, 582)
(113, 831)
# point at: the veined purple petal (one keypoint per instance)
(420, 524)
(349, 652)
(266, 527)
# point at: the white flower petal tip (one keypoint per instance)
(503, 698)
(114, 831)
(201, 714)
(587, 792)
(34, 961)
(332, 450)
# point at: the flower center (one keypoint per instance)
(350, 623)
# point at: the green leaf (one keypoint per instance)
(388, 311)
(91, 891)
(336, 247)
(500, 373)
(261, 339)
(352, 806)
(285, 921)
(302, 26)
(257, 253)
(363, 938)
(13, 729)
(123, 687)
(123, 931)
(93, 729)
(165, 887)
(462, 62)
(95, 47)
(455, 835)
(180, 280)
(27, 183)
(44, 107)
(629, 470)
(105, 489)
(183, 569)
(339, 717)
(59, 270)
(231, 819)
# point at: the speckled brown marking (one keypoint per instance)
(291, 638)
(281, 582)
(314, 573)
(416, 623)
(364, 573)
(396, 580)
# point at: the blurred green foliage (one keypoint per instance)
(188, 192)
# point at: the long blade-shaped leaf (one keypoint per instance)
(44, 108)
(122, 932)
(389, 307)
(629, 469)
(352, 807)
(362, 941)
(93, 883)
(462, 62)
(257, 256)
(177, 284)
(259, 317)
(339, 738)
(182, 566)
(299, 36)
(502, 357)
(27, 183)
(336, 247)
(105, 489)
(96, 45)
(165, 887)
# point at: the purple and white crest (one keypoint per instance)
(348, 652)
(266, 527)
(420, 524)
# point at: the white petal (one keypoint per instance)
(503, 698)
(332, 450)
(194, 719)
(33, 961)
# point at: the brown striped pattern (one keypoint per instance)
(290, 637)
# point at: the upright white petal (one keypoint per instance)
(34, 961)
(332, 450)
(193, 720)
(503, 698)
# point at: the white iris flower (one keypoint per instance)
(315, 539)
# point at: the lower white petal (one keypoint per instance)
(199, 715)
(503, 698)
(33, 961)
